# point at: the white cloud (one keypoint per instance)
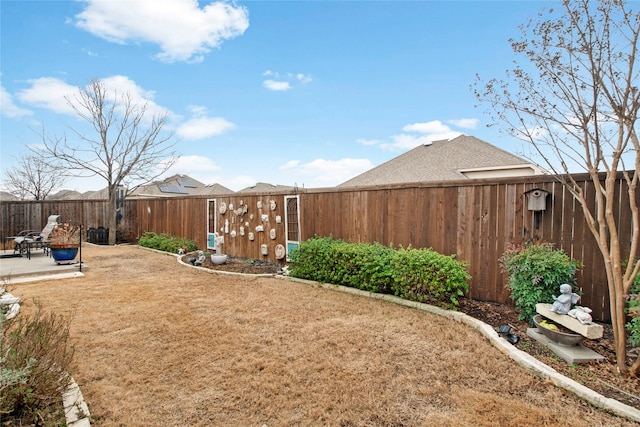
(420, 133)
(49, 93)
(282, 83)
(190, 165)
(276, 85)
(465, 123)
(368, 142)
(52, 93)
(327, 173)
(7, 106)
(203, 127)
(291, 164)
(431, 127)
(197, 110)
(406, 142)
(183, 30)
(304, 78)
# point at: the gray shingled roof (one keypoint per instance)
(263, 187)
(440, 161)
(178, 186)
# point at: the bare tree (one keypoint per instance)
(129, 144)
(576, 100)
(33, 178)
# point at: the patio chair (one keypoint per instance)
(24, 244)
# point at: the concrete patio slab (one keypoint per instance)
(38, 267)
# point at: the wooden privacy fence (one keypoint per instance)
(476, 220)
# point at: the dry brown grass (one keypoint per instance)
(158, 343)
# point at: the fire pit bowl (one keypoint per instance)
(558, 337)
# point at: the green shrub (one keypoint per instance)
(165, 242)
(425, 275)
(416, 274)
(535, 275)
(314, 259)
(364, 266)
(35, 357)
(633, 309)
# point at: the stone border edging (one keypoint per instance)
(208, 270)
(76, 410)
(521, 358)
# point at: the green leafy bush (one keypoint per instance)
(535, 274)
(35, 357)
(416, 274)
(364, 266)
(425, 275)
(165, 242)
(313, 259)
(633, 309)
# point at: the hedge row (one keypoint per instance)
(415, 274)
(165, 242)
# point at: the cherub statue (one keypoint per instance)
(562, 303)
(201, 258)
(583, 314)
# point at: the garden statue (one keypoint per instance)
(562, 303)
(201, 258)
(583, 314)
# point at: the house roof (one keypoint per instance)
(176, 186)
(5, 196)
(463, 157)
(65, 195)
(263, 187)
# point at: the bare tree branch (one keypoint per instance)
(129, 143)
(33, 178)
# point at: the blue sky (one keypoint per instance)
(310, 93)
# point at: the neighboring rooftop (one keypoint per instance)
(463, 157)
(177, 185)
(263, 187)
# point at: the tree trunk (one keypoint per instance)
(111, 215)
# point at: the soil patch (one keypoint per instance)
(237, 265)
(158, 343)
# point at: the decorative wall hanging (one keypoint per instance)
(241, 210)
(278, 219)
(259, 228)
(264, 249)
(246, 224)
(233, 233)
(259, 204)
(226, 225)
(223, 208)
(230, 206)
(272, 233)
(265, 218)
(251, 236)
(272, 205)
(241, 230)
(280, 251)
(251, 216)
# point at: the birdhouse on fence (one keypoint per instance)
(537, 199)
(537, 202)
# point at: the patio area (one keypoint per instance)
(18, 269)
